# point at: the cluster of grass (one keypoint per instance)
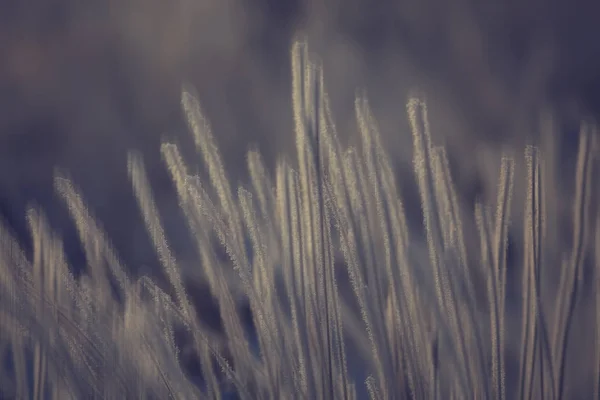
(346, 301)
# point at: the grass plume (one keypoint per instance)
(346, 301)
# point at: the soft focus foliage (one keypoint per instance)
(347, 301)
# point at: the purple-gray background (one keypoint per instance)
(83, 82)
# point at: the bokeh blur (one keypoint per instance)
(81, 83)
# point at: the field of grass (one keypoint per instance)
(346, 301)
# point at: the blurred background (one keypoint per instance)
(81, 83)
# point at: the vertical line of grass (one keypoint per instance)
(569, 288)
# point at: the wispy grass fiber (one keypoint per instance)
(346, 301)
